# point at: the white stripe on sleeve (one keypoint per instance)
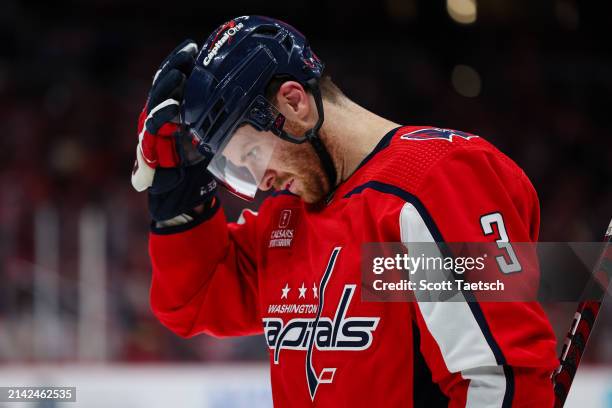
(463, 346)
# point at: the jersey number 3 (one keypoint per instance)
(511, 263)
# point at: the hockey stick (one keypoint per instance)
(579, 332)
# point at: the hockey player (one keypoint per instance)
(257, 113)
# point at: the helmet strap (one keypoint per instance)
(313, 137)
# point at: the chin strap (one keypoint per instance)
(312, 136)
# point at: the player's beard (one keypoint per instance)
(300, 162)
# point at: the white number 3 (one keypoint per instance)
(486, 222)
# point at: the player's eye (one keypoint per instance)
(252, 155)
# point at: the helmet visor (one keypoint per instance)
(243, 159)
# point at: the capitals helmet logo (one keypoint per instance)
(436, 133)
(224, 35)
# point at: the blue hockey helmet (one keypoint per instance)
(226, 90)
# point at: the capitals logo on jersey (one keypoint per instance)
(340, 333)
(436, 133)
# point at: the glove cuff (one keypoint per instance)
(186, 221)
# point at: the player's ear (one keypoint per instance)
(294, 102)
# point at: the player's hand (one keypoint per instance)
(158, 124)
(175, 188)
(191, 198)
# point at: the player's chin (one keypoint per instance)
(309, 199)
(313, 195)
(310, 188)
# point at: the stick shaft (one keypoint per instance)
(578, 334)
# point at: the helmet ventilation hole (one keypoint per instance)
(287, 43)
(266, 31)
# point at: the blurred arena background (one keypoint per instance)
(535, 78)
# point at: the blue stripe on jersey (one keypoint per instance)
(383, 143)
(509, 395)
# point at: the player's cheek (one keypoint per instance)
(280, 162)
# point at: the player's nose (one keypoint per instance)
(268, 180)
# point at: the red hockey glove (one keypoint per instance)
(158, 122)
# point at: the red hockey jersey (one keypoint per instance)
(293, 273)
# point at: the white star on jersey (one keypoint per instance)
(315, 290)
(302, 290)
(285, 290)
